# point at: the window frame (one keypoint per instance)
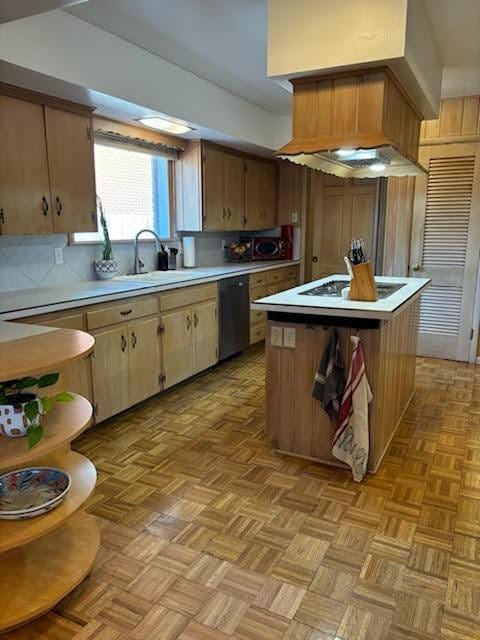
(172, 214)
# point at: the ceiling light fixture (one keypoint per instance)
(154, 122)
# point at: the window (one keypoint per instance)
(133, 185)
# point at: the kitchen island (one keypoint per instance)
(299, 327)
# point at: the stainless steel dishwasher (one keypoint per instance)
(234, 316)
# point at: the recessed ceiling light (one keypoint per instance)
(154, 122)
(378, 166)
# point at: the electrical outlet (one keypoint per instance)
(276, 336)
(289, 336)
(294, 217)
(58, 253)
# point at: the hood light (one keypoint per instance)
(345, 153)
(161, 124)
(378, 166)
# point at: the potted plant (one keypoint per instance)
(21, 410)
(107, 267)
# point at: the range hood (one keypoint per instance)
(358, 124)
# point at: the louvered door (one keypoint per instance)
(445, 248)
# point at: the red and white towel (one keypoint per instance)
(351, 439)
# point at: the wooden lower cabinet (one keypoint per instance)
(190, 341)
(125, 366)
(177, 346)
(205, 335)
(144, 359)
(267, 284)
(110, 362)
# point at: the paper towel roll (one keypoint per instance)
(189, 258)
(296, 243)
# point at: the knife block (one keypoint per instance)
(362, 285)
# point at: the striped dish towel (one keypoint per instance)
(351, 439)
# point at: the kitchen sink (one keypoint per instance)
(154, 276)
(333, 289)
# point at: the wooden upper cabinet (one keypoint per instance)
(260, 194)
(218, 190)
(214, 207)
(71, 165)
(47, 171)
(234, 182)
(224, 195)
(25, 205)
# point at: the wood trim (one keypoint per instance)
(235, 152)
(44, 99)
(360, 72)
(309, 145)
(425, 142)
(136, 131)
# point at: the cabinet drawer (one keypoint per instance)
(258, 332)
(257, 280)
(187, 296)
(257, 316)
(128, 310)
(258, 292)
(278, 275)
(71, 321)
(275, 288)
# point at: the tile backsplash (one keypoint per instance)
(28, 261)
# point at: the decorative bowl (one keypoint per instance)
(27, 493)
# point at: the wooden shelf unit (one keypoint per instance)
(65, 422)
(45, 558)
(36, 576)
(15, 533)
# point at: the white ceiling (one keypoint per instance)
(225, 41)
(221, 41)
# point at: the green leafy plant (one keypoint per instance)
(107, 253)
(36, 407)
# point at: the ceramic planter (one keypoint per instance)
(106, 269)
(13, 421)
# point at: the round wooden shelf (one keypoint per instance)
(15, 533)
(35, 577)
(48, 351)
(64, 423)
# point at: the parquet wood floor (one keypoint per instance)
(207, 534)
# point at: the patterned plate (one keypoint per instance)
(27, 493)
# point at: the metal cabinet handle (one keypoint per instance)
(416, 267)
(44, 206)
(2, 216)
(59, 205)
(189, 322)
(195, 319)
(134, 340)
(224, 213)
(126, 313)
(123, 343)
(315, 259)
(229, 213)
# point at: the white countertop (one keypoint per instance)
(28, 302)
(292, 300)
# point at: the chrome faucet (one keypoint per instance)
(138, 264)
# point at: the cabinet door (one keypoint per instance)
(177, 346)
(72, 170)
(234, 172)
(253, 195)
(268, 194)
(205, 335)
(25, 206)
(144, 359)
(110, 371)
(214, 205)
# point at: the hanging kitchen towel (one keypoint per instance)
(351, 439)
(329, 382)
